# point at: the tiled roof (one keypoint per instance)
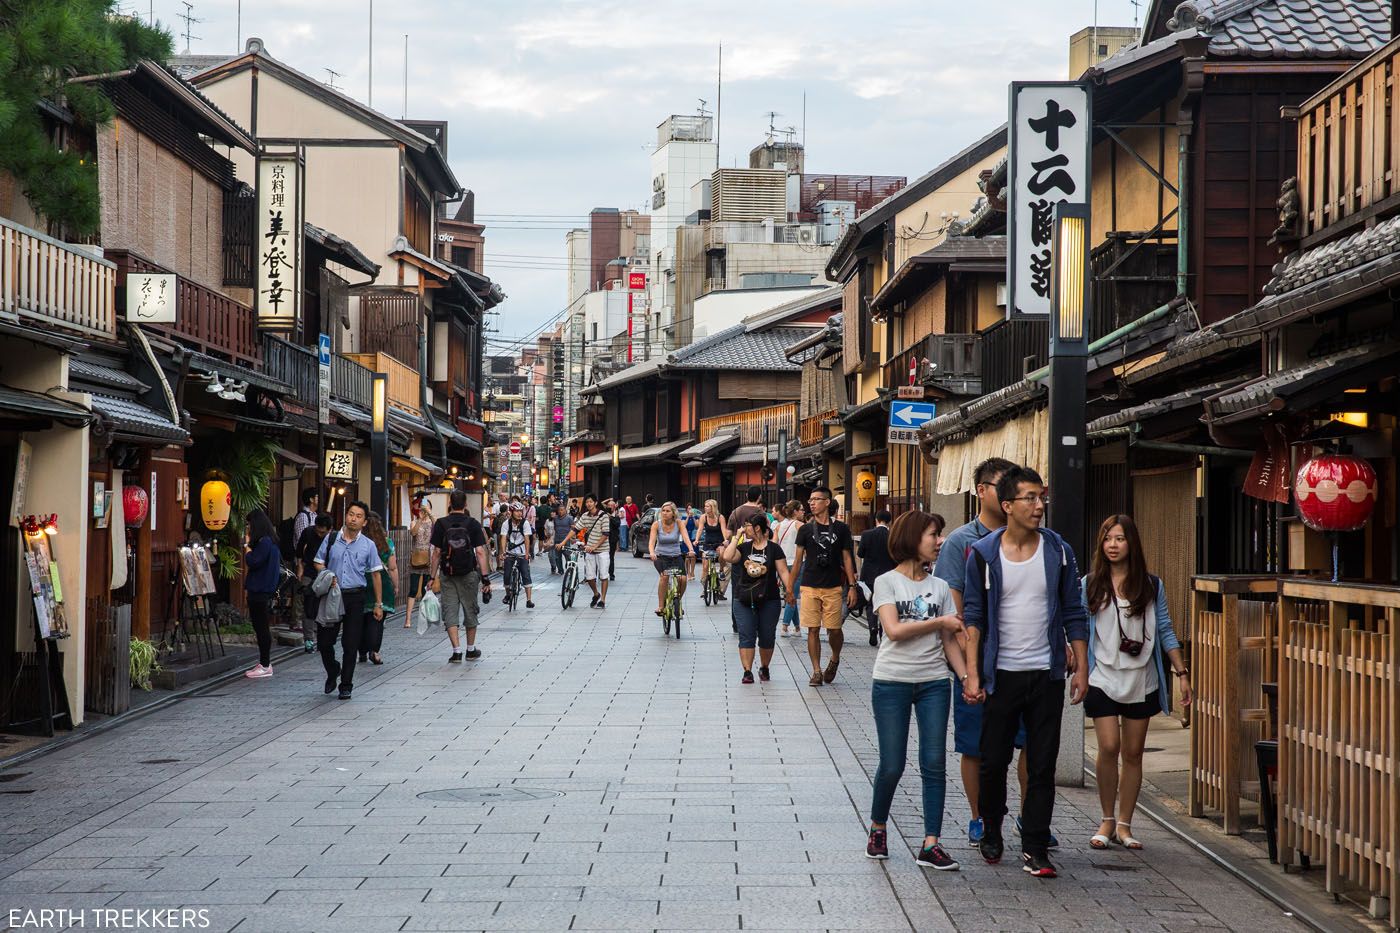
(131, 417)
(733, 348)
(1273, 392)
(1349, 252)
(1287, 28)
(91, 371)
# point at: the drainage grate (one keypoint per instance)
(9, 776)
(159, 761)
(465, 795)
(1109, 866)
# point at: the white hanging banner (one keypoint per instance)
(1048, 164)
(278, 249)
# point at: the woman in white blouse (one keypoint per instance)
(1129, 633)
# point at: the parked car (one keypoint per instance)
(641, 531)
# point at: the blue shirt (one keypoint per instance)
(351, 561)
(951, 567)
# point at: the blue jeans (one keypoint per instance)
(790, 612)
(623, 536)
(891, 703)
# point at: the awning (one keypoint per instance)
(295, 459)
(864, 411)
(1304, 386)
(410, 422)
(1169, 404)
(132, 419)
(32, 405)
(751, 453)
(341, 250)
(582, 437)
(635, 454)
(723, 440)
(210, 366)
(416, 465)
(1023, 440)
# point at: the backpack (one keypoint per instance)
(515, 534)
(286, 537)
(458, 554)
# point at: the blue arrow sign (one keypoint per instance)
(911, 414)
(324, 346)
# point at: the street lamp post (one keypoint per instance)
(379, 446)
(616, 460)
(1069, 313)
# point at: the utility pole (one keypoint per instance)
(369, 93)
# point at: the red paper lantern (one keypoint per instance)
(1335, 492)
(135, 505)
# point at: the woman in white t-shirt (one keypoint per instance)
(913, 671)
(1130, 632)
(785, 536)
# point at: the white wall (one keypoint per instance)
(718, 310)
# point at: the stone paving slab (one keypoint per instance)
(686, 801)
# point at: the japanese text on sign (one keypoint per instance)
(1049, 165)
(340, 464)
(279, 228)
(150, 298)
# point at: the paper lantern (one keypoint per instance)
(1335, 492)
(215, 502)
(865, 486)
(136, 505)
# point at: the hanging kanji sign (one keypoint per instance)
(1047, 164)
(278, 249)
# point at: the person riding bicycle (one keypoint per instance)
(517, 544)
(669, 542)
(713, 533)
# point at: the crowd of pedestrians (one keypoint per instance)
(989, 626)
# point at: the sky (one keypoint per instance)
(553, 106)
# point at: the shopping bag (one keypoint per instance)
(428, 612)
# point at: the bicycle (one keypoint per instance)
(572, 555)
(671, 609)
(710, 590)
(512, 588)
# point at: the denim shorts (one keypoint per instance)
(967, 727)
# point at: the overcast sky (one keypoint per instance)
(553, 106)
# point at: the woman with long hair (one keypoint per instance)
(1129, 633)
(759, 566)
(913, 672)
(420, 555)
(374, 628)
(714, 531)
(785, 536)
(263, 557)
(666, 547)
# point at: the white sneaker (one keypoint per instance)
(259, 671)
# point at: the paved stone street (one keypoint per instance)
(586, 774)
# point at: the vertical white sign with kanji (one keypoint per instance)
(278, 250)
(1048, 163)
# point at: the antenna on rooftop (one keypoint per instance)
(331, 75)
(190, 19)
(702, 110)
(772, 115)
(1136, 4)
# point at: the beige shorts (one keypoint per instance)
(820, 607)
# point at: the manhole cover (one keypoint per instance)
(160, 761)
(489, 794)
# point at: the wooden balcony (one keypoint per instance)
(751, 423)
(1348, 160)
(47, 283)
(812, 430)
(294, 365)
(210, 321)
(1012, 348)
(404, 389)
(953, 361)
(350, 382)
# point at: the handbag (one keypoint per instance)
(419, 558)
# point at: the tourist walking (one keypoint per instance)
(666, 547)
(614, 529)
(823, 563)
(913, 671)
(759, 567)
(785, 535)
(263, 558)
(951, 568)
(518, 547)
(874, 554)
(305, 558)
(561, 529)
(1021, 602)
(306, 515)
(623, 525)
(594, 529)
(1130, 632)
(458, 573)
(374, 626)
(420, 556)
(354, 564)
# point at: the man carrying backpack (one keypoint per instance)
(518, 548)
(459, 554)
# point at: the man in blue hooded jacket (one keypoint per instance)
(1021, 603)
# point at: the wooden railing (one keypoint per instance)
(240, 238)
(350, 382)
(946, 359)
(1233, 654)
(812, 430)
(294, 365)
(210, 321)
(1010, 349)
(404, 389)
(1347, 159)
(1339, 733)
(48, 283)
(751, 423)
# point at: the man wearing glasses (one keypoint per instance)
(824, 560)
(1021, 599)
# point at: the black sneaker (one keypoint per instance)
(763, 674)
(331, 678)
(529, 604)
(747, 678)
(1037, 866)
(473, 654)
(877, 847)
(935, 856)
(602, 605)
(344, 693)
(456, 658)
(593, 604)
(991, 850)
